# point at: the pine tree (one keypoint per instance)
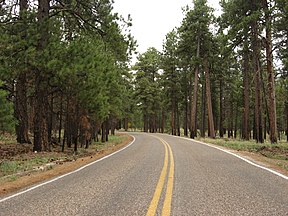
(196, 39)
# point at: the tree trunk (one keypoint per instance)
(126, 124)
(186, 116)
(163, 121)
(145, 123)
(50, 119)
(21, 112)
(68, 123)
(257, 81)
(177, 120)
(41, 97)
(270, 71)
(286, 111)
(236, 122)
(40, 118)
(193, 131)
(103, 133)
(209, 100)
(221, 111)
(60, 119)
(173, 130)
(246, 79)
(203, 110)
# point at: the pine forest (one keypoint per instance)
(67, 78)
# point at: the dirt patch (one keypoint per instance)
(60, 168)
(274, 152)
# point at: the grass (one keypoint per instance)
(28, 162)
(276, 154)
(15, 166)
(7, 138)
(276, 151)
(8, 167)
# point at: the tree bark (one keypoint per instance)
(41, 97)
(203, 110)
(209, 100)
(246, 78)
(270, 71)
(21, 111)
(257, 81)
(177, 120)
(186, 115)
(286, 111)
(221, 111)
(193, 131)
(173, 128)
(60, 118)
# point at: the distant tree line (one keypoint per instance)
(217, 76)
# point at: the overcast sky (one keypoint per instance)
(153, 19)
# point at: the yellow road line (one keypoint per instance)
(169, 190)
(154, 203)
(166, 210)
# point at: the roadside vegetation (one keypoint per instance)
(272, 154)
(19, 160)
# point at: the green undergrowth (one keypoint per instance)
(275, 151)
(11, 168)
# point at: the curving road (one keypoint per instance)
(158, 175)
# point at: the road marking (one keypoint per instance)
(169, 189)
(62, 176)
(154, 203)
(238, 156)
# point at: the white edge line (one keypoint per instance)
(62, 176)
(238, 156)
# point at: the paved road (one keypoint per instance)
(159, 174)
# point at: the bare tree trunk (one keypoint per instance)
(209, 100)
(50, 119)
(257, 81)
(177, 120)
(126, 124)
(186, 117)
(163, 121)
(236, 122)
(60, 118)
(173, 130)
(193, 131)
(246, 112)
(221, 121)
(286, 111)
(41, 97)
(270, 71)
(203, 110)
(21, 111)
(145, 123)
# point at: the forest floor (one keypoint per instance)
(20, 167)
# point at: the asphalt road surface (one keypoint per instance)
(158, 175)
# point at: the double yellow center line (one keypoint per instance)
(169, 189)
